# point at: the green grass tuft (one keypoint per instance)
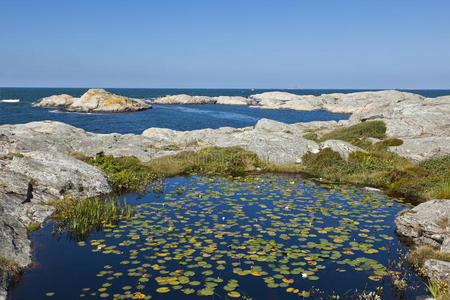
(81, 217)
(233, 161)
(375, 129)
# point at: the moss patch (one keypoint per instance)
(33, 226)
(375, 129)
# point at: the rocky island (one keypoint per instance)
(409, 129)
(187, 99)
(94, 100)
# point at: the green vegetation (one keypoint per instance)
(438, 290)
(33, 226)
(9, 266)
(379, 168)
(310, 136)
(233, 161)
(80, 218)
(417, 257)
(375, 129)
(130, 174)
(124, 173)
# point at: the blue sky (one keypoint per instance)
(225, 44)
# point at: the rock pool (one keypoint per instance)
(247, 238)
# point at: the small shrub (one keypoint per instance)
(438, 166)
(311, 136)
(33, 226)
(375, 129)
(124, 173)
(392, 142)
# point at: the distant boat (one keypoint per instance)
(10, 100)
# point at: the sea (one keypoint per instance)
(16, 107)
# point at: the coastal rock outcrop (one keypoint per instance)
(234, 100)
(272, 141)
(38, 154)
(438, 270)
(94, 100)
(422, 123)
(184, 99)
(427, 224)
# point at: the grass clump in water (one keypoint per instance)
(80, 217)
(375, 129)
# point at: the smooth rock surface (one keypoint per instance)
(185, 99)
(94, 100)
(438, 270)
(422, 123)
(343, 148)
(427, 224)
(234, 100)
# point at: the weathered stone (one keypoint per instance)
(421, 225)
(56, 101)
(445, 247)
(438, 270)
(343, 148)
(423, 123)
(94, 100)
(234, 100)
(185, 99)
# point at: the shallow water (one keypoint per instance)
(254, 238)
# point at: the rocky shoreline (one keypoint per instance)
(36, 154)
(94, 100)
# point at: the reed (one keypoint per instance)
(81, 217)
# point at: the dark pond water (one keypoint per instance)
(252, 238)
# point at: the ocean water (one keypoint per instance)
(178, 117)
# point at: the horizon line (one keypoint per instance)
(217, 88)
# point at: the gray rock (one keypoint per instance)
(426, 224)
(272, 141)
(185, 99)
(445, 247)
(423, 123)
(94, 100)
(438, 270)
(343, 148)
(234, 100)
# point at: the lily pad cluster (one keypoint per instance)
(240, 238)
